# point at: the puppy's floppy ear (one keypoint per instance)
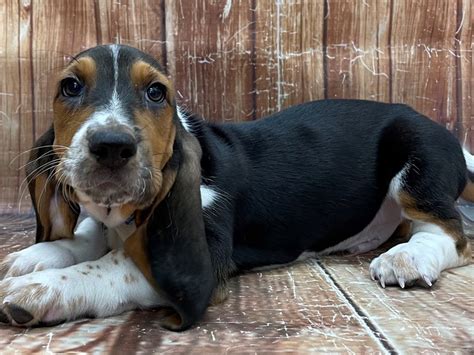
(56, 218)
(174, 242)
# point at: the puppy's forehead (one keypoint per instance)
(112, 75)
(113, 64)
(124, 56)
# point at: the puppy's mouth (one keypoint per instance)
(112, 188)
(106, 194)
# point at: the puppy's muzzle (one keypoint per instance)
(111, 148)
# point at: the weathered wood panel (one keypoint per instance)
(136, 23)
(8, 98)
(413, 321)
(300, 52)
(423, 59)
(289, 54)
(325, 306)
(241, 60)
(464, 43)
(25, 108)
(358, 52)
(60, 29)
(210, 56)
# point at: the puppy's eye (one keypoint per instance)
(71, 87)
(156, 92)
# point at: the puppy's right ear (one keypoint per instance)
(56, 217)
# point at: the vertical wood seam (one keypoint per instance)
(164, 45)
(253, 56)
(98, 30)
(377, 333)
(325, 48)
(302, 49)
(32, 71)
(390, 70)
(18, 173)
(278, 55)
(458, 126)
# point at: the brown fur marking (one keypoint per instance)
(66, 121)
(403, 230)
(43, 193)
(452, 227)
(135, 246)
(143, 74)
(468, 193)
(83, 68)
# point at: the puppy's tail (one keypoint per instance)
(468, 193)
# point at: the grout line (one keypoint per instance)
(360, 314)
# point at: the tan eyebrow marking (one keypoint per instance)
(143, 74)
(84, 68)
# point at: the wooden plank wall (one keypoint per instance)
(237, 60)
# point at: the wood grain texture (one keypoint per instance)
(234, 60)
(289, 52)
(423, 59)
(358, 52)
(413, 320)
(60, 30)
(132, 22)
(300, 52)
(465, 71)
(210, 57)
(8, 98)
(317, 306)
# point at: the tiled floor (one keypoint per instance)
(324, 305)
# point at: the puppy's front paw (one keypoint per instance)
(37, 257)
(45, 297)
(24, 302)
(405, 265)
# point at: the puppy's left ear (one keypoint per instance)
(171, 247)
(56, 218)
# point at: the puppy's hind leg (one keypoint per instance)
(427, 193)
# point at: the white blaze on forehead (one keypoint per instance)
(115, 53)
(115, 106)
(110, 113)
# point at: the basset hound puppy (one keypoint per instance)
(175, 205)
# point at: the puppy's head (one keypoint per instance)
(117, 142)
(114, 130)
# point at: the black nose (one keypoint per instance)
(112, 149)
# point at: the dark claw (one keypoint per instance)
(18, 314)
(3, 317)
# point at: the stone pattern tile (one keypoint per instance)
(327, 305)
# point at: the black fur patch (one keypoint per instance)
(313, 175)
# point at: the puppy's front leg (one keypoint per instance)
(89, 243)
(105, 287)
